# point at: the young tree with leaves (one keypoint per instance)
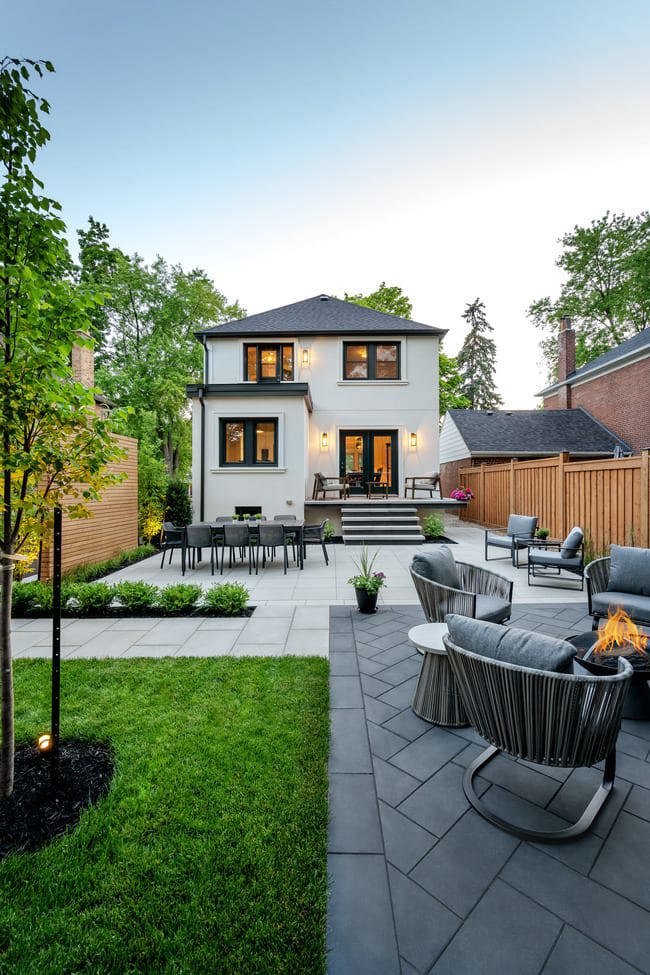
(54, 447)
(607, 288)
(450, 383)
(477, 359)
(387, 298)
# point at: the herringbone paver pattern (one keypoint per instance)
(419, 882)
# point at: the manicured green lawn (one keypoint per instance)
(208, 854)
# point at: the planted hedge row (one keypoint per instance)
(128, 598)
(96, 570)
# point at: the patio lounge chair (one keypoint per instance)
(518, 695)
(424, 482)
(446, 586)
(520, 531)
(171, 538)
(325, 484)
(545, 563)
(620, 581)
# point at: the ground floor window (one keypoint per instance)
(249, 442)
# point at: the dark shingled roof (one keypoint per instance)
(321, 315)
(636, 344)
(518, 432)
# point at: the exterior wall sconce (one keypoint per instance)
(324, 441)
(413, 440)
(305, 357)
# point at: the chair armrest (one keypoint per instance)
(483, 582)
(437, 600)
(597, 576)
(544, 543)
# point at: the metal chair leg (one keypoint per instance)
(546, 836)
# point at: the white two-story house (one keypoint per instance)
(321, 385)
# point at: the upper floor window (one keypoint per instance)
(249, 442)
(371, 360)
(268, 363)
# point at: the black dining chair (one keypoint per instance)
(237, 537)
(271, 535)
(316, 533)
(198, 537)
(290, 535)
(171, 537)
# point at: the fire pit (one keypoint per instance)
(598, 652)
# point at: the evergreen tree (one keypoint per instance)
(476, 360)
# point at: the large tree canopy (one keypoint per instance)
(607, 287)
(54, 448)
(149, 350)
(477, 359)
(387, 298)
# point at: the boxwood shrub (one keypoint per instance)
(229, 598)
(180, 598)
(87, 597)
(136, 595)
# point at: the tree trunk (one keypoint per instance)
(6, 682)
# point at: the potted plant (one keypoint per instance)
(462, 494)
(258, 516)
(367, 583)
(543, 533)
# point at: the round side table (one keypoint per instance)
(436, 697)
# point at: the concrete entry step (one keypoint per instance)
(383, 539)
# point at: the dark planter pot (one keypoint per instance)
(366, 601)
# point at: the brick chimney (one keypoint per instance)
(566, 361)
(83, 362)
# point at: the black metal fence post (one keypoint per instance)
(56, 644)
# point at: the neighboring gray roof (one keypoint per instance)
(515, 433)
(321, 315)
(630, 348)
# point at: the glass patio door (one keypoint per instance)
(369, 455)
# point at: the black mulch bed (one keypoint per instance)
(440, 540)
(120, 612)
(36, 813)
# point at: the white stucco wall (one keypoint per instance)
(408, 405)
(452, 445)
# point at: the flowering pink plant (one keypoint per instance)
(462, 494)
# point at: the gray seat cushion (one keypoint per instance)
(629, 570)
(522, 525)
(501, 541)
(511, 645)
(492, 608)
(438, 566)
(572, 543)
(541, 556)
(638, 607)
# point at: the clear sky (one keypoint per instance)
(296, 147)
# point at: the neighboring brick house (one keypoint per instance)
(614, 388)
(469, 438)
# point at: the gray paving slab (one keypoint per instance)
(349, 749)
(345, 692)
(506, 934)
(423, 924)
(624, 861)
(405, 842)
(638, 802)
(354, 816)
(575, 954)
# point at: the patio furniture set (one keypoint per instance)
(548, 701)
(545, 558)
(339, 485)
(250, 540)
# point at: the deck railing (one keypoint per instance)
(609, 499)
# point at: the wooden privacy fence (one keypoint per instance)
(113, 525)
(608, 499)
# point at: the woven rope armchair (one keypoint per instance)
(556, 719)
(630, 594)
(438, 600)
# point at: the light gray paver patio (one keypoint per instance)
(422, 885)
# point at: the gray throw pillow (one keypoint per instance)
(438, 566)
(522, 525)
(572, 543)
(511, 645)
(629, 570)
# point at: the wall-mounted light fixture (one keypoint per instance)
(305, 357)
(323, 441)
(413, 440)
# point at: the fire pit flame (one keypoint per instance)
(621, 636)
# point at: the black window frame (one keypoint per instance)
(372, 362)
(249, 423)
(280, 347)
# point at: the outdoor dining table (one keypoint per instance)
(297, 527)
